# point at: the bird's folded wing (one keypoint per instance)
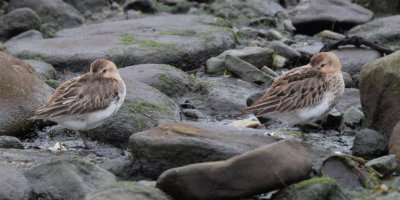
(79, 96)
(291, 92)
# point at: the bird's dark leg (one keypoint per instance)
(303, 129)
(84, 140)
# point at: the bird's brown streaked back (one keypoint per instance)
(298, 88)
(88, 93)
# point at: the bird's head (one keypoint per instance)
(104, 68)
(326, 62)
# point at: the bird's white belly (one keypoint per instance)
(307, 114)
(89, 120)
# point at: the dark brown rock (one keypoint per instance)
(264, 169)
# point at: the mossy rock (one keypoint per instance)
(56, 179)
(317, 188)
(170, 80)
(380, 92)
(128, 190)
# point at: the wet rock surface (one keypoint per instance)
(10, 142)
(220, 180)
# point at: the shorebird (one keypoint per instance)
(85, 102)
(304, 94)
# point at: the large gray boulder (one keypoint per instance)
(178, 144)
(184, 41)
(380, 92)
(13, 184)
(262, 170)
(18, 21)
(67, 179)
(385, 30)
(56, 14)
(313, 16)
(21, 91)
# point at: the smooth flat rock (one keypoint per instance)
(191, 143)
(258, 171)
(313, 16)
(184, 41)
(385, 30)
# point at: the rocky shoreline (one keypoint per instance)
(191, 67)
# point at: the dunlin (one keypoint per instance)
(304, 94)
(85, 102)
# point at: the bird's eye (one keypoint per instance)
(322, 65)
(105, 70)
